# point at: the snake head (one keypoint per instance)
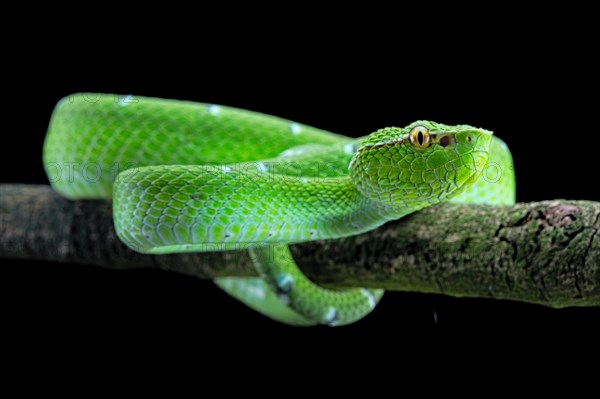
(406, 169)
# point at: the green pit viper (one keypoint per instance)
(187, 176)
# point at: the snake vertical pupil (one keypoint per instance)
(419, 137)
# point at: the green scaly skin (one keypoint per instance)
(197, 177)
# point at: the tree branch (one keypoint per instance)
(542, 252)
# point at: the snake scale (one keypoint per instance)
(187, 176)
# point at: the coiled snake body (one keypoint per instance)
(188, 176)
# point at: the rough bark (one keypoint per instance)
(544, 252)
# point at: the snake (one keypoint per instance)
(197, 177)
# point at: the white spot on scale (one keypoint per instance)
(331, 315)
(295, 128)
(226, 169)
(256, 291)
(291, 152)
(284, 281)
(349, 149)
(214, 109)
(262, 167)
(303, 180)
(370, 297)
(127, 100)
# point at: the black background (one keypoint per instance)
(536, 99)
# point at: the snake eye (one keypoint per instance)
(419, 137)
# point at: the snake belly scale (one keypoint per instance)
(187, 176)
